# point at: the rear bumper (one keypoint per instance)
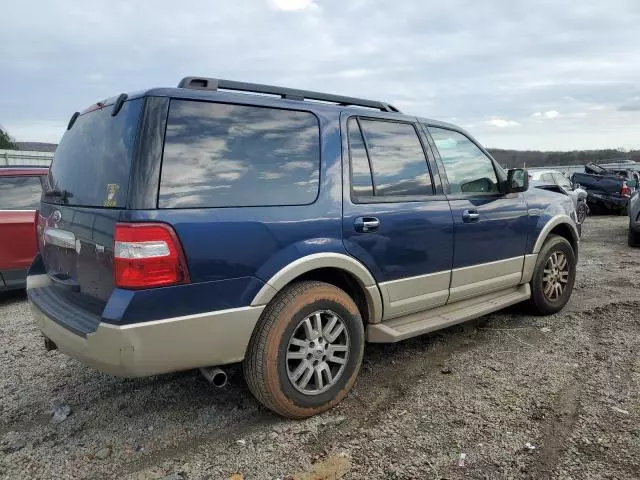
(160, 346)
(609, 201)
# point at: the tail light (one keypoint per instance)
(148, 255)
(40, 224)
(625, 191)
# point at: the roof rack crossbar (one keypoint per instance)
(213, 84)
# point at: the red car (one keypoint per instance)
(20, 190)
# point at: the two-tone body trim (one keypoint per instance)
(484, 278)
(159, 346)
(408, 295)
(550, 225)
(324, 260)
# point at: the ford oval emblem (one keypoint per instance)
(56, 216)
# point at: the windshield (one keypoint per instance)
(91, 165)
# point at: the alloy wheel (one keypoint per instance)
(556, 276)
(317, 352)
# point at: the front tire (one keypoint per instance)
(553, 277)
(306, 350)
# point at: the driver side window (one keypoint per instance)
(468, 169)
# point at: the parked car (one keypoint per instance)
(224, 222)
(634, 220)
(554, 178)
(20, 190)
(606, 190)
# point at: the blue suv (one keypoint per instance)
(223, 222)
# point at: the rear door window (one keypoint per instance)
(20, 193)
(361, 178)
(92, 164)
(387, 161)
(221, 155)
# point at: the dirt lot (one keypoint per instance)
(567, 385)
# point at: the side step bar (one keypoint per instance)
(415, 324)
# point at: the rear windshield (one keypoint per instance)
(92, 163)
(218, 155)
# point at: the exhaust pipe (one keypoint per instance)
(215, 376)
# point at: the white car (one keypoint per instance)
(556, 178)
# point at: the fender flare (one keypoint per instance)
(316, 261)
(550, 225)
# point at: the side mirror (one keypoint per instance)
(517, 180)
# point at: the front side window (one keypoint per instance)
(547, 178)
(562, 181)
(222, 155)
(468, 169)
(20, 193)
(396, 156)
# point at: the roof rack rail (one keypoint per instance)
(203, 83)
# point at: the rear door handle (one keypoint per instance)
(366, 224)
(469, 216)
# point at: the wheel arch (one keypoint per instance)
(338, 269)
(561, 225)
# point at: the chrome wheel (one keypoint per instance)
(317, 352)
(556, 276)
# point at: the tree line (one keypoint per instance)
(6, 142)
(534, 158)
(506, 158)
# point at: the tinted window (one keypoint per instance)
(20, 193)
(219, 155)
(468, 169)
(398, 161)
(361, 183)
(92, 163)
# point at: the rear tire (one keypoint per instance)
(634, 237)
(553, 277)
(296, 366)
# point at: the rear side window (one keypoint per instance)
(20, 193)
(468, 169)
(395, 155)
(92, 164)
(220, 155)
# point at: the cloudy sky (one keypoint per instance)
(543, 74)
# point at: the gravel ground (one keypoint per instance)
(519, 396)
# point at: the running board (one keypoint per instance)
(423, 322)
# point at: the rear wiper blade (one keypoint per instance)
(61, 194)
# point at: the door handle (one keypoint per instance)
(366, 224)
(469, 216)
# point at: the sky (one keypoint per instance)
(523, 74)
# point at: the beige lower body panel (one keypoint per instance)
(529, 267)
(423, 322)
(469, 282)
(160, 346)
(415, 294)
